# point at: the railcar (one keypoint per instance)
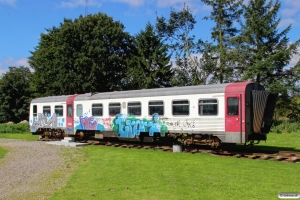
(231, 113)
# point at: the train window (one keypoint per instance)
(97, 109)
(180, 107)
(208, 107)
(59, 111)
(114, 108)
(34, 110)
(70, 110)
(156, 107)
(79, 111)
(47, 111)
(233, 106)
(134, 108)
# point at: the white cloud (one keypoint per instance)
(9, 2)
(76, 3)
(290, 12)
(2, 70)
(194, 5)
(286, 22)
(295, 59)
(171, 3)
(10, 61)
(134, 3)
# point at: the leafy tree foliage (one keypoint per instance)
(224, 14)
(151, 62)
(265, 52)
(15, 94)
(85, 55)
(197, 69)
(190, 67)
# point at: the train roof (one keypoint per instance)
(169, 91)
(62, 98)
(186, 90)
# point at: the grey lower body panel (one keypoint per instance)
(235, 137)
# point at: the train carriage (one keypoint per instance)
(210, 114)
(47, 116)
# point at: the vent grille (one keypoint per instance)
(263, 110)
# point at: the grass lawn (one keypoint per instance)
(22, 136)
(2, 153)
(117, 173)
(281, 142)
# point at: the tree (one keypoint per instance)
(265, 53)
(88, 54)
(224, 13)
(196, 69)
(15, 94)
(151, 61)
(177, 31)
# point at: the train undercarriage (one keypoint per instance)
(169, 139)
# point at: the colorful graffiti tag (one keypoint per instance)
(130, 127)
(88, 123)
(46, 121)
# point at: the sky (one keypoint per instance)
(23, 21)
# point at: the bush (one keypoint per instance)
(14, 128)
(286, 126)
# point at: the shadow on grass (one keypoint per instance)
(267, 149)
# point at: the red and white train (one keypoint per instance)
(206, 114)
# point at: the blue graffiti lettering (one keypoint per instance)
(131, 128)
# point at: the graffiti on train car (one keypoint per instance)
(186, 124)
(46, 121)
(86, 122)
(130, 126)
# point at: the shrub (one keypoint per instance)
(14, 128)
(286, 126)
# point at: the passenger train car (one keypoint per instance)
(206, 114)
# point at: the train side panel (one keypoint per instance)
(127, 124)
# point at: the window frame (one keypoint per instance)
(34, 111)
(178, 100)
(61, 108)
(208, 104)
(114, 105)
(161, 105)
(79, 110)
(48, 106)
(236, 110)
(134, 106)
(97, 106)
(68, 113)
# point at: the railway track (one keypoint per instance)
(248, 153)
(283, 156)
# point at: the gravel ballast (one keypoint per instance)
(34, 169)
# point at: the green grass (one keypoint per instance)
(281, 142)
(2, 153)
(22, 136)
(116, 173)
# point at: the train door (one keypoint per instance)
(70, 115)
(234, 120)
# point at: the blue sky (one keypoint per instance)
(22, 21)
